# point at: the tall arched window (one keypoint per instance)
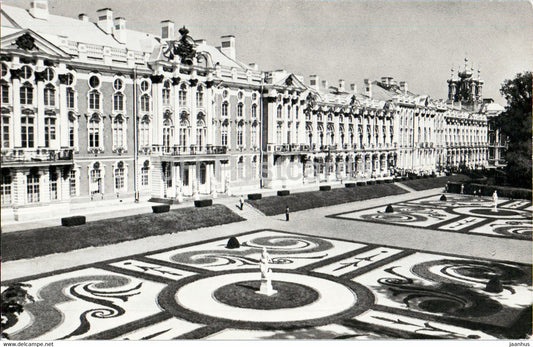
(331, 135)
(49, 130)
(32, 187)
(200, 96)
(166, 93)
(278, 134)
(254, 111)
(144, 131)
(118, 132)
(145, 103)
(27, 131)
(118, 102)
(224, 133)
(72, 131)
(309, 134)
(240, 110)
(254, 135)
(95, 179)
(167, 134)
(94, 132)
(120, 176)
(321, 135)
(26, 94)
(94, 100)
(278, 112)
(201, 131)
(4, 91)
(184, 132)
(49, 95)
(240, 134)
(225, 109)
(182, 95)
(71, 98)
(5, 131)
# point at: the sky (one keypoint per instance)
(414, 41)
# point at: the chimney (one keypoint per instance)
(39, 9)
(368, 88)
(403, 87)
(325, 85)
(105, 20)
(353, 88)
(254, 66)
(227, 45)
(167, 30)
(342, 85)
(314, 81)
(119, 29)
(83, 17)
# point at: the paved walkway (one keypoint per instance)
(310, 222)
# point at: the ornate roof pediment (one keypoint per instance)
(28, 41)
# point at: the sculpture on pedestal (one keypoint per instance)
(266, 275)
(495, 200)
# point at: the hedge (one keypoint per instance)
(203, 203)
(160, 208)
(283, 192)
(349, 185)
(361, 184)
(255, 196)
(325, 188)
(488, 190)
(71, 221)
(371, 182)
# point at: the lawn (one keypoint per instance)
(274, 205)
(434, 182)
(43, 241)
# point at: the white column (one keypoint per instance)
(17, 142)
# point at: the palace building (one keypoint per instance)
(94, 111)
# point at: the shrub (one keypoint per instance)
(388, 180)
(283, 192)
(160, 208)
(371, 182)
(389, 209)
(72, 221)
(443, 198)
(325, 188)
(233, 243)
(361, 183)
(203, 203)
(349, 185)
(454, 187)
(255, 196)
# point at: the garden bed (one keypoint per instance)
(273, 205)
(43, 241)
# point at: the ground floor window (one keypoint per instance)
(203, 174)
(6, 189)
(119, 178)
(145, 176)
(72, 183)
(95, 181)
(32, 188)
(52, 184)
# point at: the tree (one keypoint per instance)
(515, 123)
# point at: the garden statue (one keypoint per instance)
(266, 274)
(495, 200)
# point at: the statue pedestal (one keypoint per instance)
(266, 287)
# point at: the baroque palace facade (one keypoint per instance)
(96, 111)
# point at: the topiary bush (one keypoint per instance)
(160, 208)
(233, 243)
(389, 209)
(72, 221)
(325, 188)
(255, 196)
(443, 198)
(203, 203)
(283, 192)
